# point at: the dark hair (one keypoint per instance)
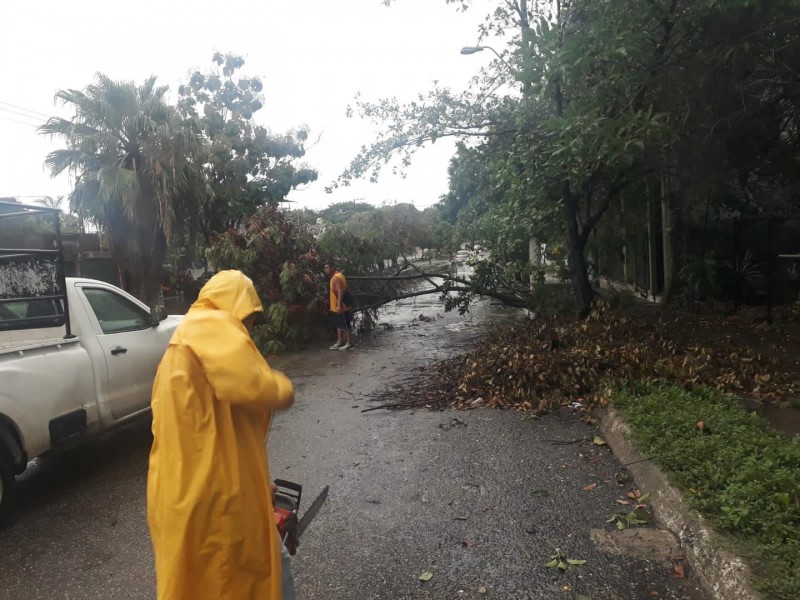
(329, 263)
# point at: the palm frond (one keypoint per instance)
(118, 185)
(59, 161)
(59, 126)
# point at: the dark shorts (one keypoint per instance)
(343, 320)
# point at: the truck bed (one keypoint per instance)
(32, 342)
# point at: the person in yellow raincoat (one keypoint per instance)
(209, 504)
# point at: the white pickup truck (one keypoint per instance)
(63, 380)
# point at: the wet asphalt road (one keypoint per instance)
(478, 499)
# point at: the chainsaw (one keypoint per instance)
(286, 505)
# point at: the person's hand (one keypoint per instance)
(274, 489)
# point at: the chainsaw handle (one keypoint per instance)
(289, 485)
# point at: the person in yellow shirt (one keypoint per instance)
(340, 303)
(209, 498)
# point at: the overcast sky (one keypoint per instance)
(313, 56)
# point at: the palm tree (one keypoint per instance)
(132, 159)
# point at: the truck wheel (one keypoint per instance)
(8, 485)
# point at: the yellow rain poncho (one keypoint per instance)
(209, 502)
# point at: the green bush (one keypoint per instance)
(737, 471)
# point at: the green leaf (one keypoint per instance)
(598, 441)
(562, 565)
(426, 576)
(552, 564)
(575, 561)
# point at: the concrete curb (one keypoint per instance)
(724, 575)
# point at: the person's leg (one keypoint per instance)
(346, 332)
(287, 579)
(340, 339)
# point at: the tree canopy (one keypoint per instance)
(153, 175)
(620, 107)
(247, 166)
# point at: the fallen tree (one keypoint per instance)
(375, 290)
(286, 263)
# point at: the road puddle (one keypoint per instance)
(782, 418)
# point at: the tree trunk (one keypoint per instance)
(139, 251)
(584, 293)
(154, 246)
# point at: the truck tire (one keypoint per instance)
(8, 485)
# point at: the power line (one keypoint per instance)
(16, 112)
(36, 112)
(20, 122)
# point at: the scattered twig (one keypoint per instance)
(636, 462)
(387, 406)
(567, 442)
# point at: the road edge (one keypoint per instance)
(723, 574)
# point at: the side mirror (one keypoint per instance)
(157, 314)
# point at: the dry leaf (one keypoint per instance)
(590, 488)
(678, 571)
(517, 368)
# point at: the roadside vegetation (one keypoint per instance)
(732, 467)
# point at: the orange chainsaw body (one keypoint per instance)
(286, 505)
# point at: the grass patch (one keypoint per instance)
(733, 468)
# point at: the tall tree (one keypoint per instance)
(135, 177)
(615, 101)
(247, 165)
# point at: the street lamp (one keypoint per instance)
(474, 49)
(509, 68)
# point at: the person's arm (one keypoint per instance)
(238, 373)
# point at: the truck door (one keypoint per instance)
(131, 347)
